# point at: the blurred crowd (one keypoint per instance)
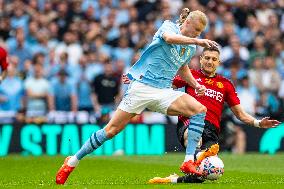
(68, 56)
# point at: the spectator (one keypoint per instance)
(122, 16)
(255, 74)
(100, 46)
(248, 95)
(64, 93)
(123, 51)
(270, 77)
(83, 87)
(278, 54)
(234, 50)
(259, 50)
(249, 32)
(269, 105)
(106, 89)
(32, 32)
(37, 90)
(63, 18)
(11, 91)
(63, 63)
(4, 28)
(19, 47)
(71, 46)
(20, 18)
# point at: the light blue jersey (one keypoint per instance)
(160, 62)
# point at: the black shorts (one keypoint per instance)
(210, 134)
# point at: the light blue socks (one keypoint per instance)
(195, 130)
(94, 142)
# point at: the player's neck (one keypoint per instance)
(213, 74)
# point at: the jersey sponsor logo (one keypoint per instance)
(199, 80)
(213, 94)
(176, 58)
(220, 85)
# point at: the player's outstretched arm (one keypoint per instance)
(187, 76)
(173, 38)
(178, 82)
(250, 120)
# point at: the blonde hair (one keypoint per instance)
(186, 14)
(182, 17)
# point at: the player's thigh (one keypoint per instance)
(185, 105)
(136, 98)
(118, 122)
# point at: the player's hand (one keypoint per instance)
(206, 43)
(268, 123)
(125, 79)
(200, 90)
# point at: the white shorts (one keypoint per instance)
(139, 96)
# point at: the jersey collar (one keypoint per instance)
(206, 75)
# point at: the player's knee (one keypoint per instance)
(203, 109)
(200, 109)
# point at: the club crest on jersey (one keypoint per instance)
(220, 85)
(182, 52)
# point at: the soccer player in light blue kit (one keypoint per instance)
(169, 53)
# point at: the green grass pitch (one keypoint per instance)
(241, 172)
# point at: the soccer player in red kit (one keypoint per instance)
(3, 64)
(218, 91)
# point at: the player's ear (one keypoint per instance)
(219, 62)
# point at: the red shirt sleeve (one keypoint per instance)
(3, 59)
(179, 82)
(232, 97)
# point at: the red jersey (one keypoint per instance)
(218, 91)
(3, 59)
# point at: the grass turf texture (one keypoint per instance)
(241, 172)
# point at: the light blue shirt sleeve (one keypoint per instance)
(168, 27)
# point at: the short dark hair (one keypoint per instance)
(213, 48)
